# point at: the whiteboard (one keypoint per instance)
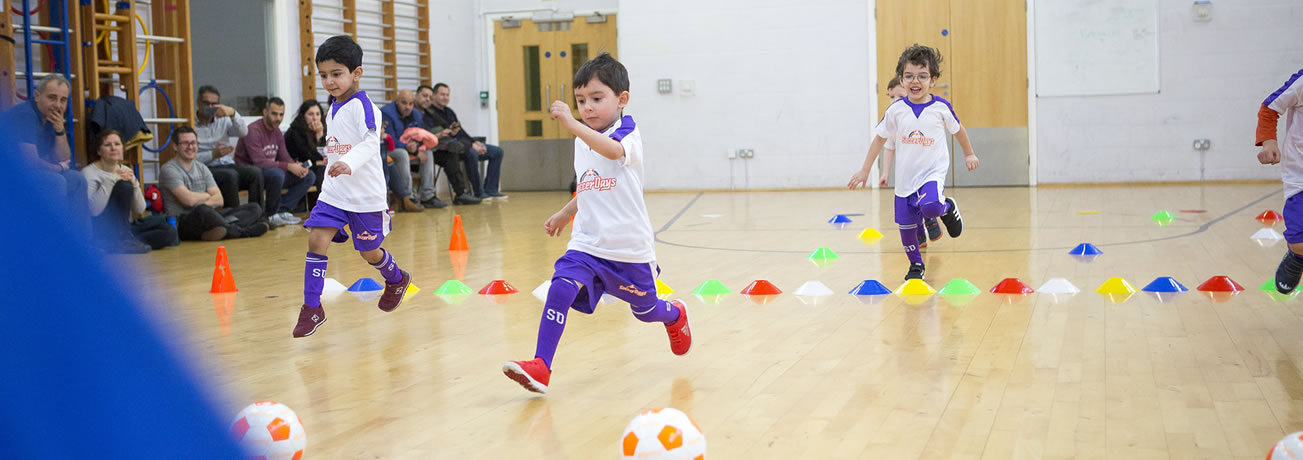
(1095, 47)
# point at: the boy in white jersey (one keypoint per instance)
(896, 91)
(611, 247)
(353, 192)
(918, 125)
(1289, 101)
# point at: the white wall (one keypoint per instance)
(794, 82)
(1214, 76)
(226, 51)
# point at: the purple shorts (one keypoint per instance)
(1294, 219)
(909, 208)
(631, 282)
(369, 228)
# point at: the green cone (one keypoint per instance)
(1269, 287)
(959, 286)
(711, 287)
(823, 254)
(452, 287)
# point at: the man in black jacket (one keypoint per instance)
(440, 119)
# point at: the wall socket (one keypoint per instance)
(1202, 144)
(746, 153)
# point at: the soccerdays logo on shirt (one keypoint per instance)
(917, 137)
(333, 146)
(590, 180)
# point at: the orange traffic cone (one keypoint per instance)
(223, 280)
(458, 242)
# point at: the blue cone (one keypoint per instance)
(870, 287)
(1085, 249)
(1164, 284)
(365, 284)
(839, 219)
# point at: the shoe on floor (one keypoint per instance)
(255, 230)
(1288, 273)
(915, 272)
(290, 218)
(498, 195)
(411, 206)
(310, 318)
(277, 220)
(532, 374)
(466, 198)
(434, 203)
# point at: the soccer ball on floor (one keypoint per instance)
(269, 430)
(666, 434)
(1290, 447)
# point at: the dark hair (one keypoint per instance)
(607, 70)
(895, 81)
(177, 131)
(100, 137)
(274, 101)
(301, 116)
(440, 85)
(207, 89)
(920, 55)
(432, 90)
(341, 49)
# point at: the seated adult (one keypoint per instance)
(398, 173)
(115, 195)
(38, 129)
(191, 195)
(306, 139)
(264, 147)
(441, 120)
(401, 115)
(215, 124)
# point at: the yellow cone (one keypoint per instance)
(870, 235)
(411, 291)
(663, 290)
(1116, 285)
(915, 287)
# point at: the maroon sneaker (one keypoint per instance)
(310, 318)
(393, 296)
(680, 334)
(532, 374)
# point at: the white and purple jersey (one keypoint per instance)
(353, 137)
(612, 220)
(919, 133)
(1288, 100)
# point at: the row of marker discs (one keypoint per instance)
(958, 291)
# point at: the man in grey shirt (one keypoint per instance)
(190, 194)
(215, 124)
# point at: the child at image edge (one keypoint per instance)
(1289, 101)
(611, 247)
(918, 125)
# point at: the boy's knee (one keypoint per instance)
(933, 209)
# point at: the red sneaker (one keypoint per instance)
(310, 318)
(532, 374)
(393, 296)
(680, 335)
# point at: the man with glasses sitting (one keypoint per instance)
(191, 196)
(215, 124)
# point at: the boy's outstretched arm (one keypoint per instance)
(861, 177)
(970, 158)
(553, 225)
(1266, 136)
(603, 145)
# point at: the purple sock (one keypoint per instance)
(388, 268)
(661, 312)
(559, 297)
(314, 278)
(909, 238)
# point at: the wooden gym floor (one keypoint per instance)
(839, 379)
